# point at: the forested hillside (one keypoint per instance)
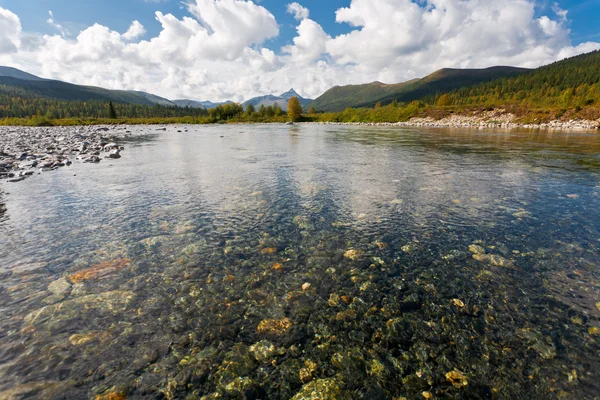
(573, 82)
(26, 86)
(20, 107)
(368, 95)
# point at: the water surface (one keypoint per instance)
(273, 261)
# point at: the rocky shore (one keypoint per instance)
(488, 120)
(26, 151)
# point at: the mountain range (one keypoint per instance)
(281, 100)
(339, 98)
(28, 85)
(564, 83)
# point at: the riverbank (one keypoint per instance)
(476, 120)
(27, 151)
(486, 120)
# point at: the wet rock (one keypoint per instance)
(458, 303)
(352, 254)
(115, 154)
(536, 341)
(82, 339)
(28, 390)
(306, 286)
(476, 249)
(99, 271)
(306, 373)
(457, 379)
(107, 302)
(60, 288)
(321, 389)
(277, 267)
(237, 363)
(493, 259)
(276, 327)
(264, 351)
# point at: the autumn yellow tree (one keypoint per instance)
(294, 109)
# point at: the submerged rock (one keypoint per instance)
(321, 389)
(108, 302)
(476, 249)
(493, 259)
(100, 270)
(352, 254)
(275, 327)
(264, 351)
(457, 379)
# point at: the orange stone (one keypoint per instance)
(99, 271)
(269, 250)
(277, 267)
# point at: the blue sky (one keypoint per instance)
(75, 15)
(236, 49)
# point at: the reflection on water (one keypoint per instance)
(279, 262)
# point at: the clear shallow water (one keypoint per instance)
(178, 270)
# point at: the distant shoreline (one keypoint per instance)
(582, 125)
(491, 120)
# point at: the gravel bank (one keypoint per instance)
(26, 151)
(484, 121)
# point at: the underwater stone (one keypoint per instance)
(476, 249)
(275, 327)
(264, 351)
(115, 302)
(352, 254)
(321, 389)
(100, 270)
(493, 259)
(277, 267)
(60, 287)
(457, 379)
(80, 339)
(458, 303)
(306, 286)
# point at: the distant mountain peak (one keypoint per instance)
(290, 93)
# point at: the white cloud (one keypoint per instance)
(135, 31)
(218, 51)
(298, 11)
(63, 31)
(310, 43)
(10, 32)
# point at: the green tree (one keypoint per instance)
(250, 110)
(294, 109)
(112, 114)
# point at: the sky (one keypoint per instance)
(236, 49)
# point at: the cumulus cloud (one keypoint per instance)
(310, 43)
(219, 51)
(135, 31)
(10, 31)
(298, 11)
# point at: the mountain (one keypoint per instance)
(10, 72)
(22, 84)
(339, 98)
(281, 100)
(570, 83)
(198, 104)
